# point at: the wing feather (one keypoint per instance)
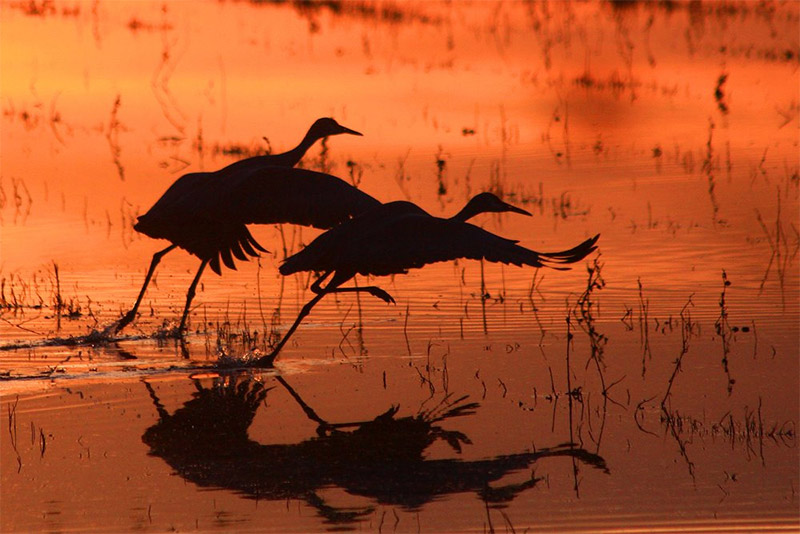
(416, 241)
(268, 195)
(206, 213)
(399, 236)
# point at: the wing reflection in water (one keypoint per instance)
(207, 443)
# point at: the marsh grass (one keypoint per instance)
(585, 310)
(708, 168)
(13, 431)
(441, 173)
(41, 290)
(687, 330)
(536, 281)
(237, 150)
(355, 171)
(724, 331)
(21, 198)
(644, 327)
(783, 252)
(401, 176)
(112, 137)
(747, 430)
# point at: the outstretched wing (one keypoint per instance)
(413, 241)
(409, 239)
(267, 195)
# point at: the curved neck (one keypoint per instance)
(467, 212)
(293, 156)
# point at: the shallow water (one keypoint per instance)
(670, 129)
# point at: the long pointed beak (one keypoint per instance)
(346, 130)
(515, 209)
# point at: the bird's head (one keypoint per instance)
(485, 203)
(327, 126)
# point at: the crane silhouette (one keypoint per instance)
(205, 213)
(385, 460)
(395, 237)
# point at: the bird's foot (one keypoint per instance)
(266, 361)
(178, 332)
(123, 322)
(381, 294)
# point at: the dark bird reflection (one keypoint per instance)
(382, 459)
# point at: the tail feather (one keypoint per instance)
(235, 243)
(572, 255)
(252, 241)
(227, 259)
(247, 247)
(237, 251)
(214, 264)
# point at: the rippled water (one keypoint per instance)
(670, 129)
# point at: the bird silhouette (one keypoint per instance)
(205, 213)
(381, 461)
(395, 237)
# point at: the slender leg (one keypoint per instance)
(315, 287)
(372, 290)
(308, 410)
(190, 295)
(162, 412)
(267, 360)
(131, 315)
(325, 427)
(333, 287)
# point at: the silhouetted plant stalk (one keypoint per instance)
(535, 282)
(708, 170)
(748, 431)
(58, 302)
(570, 396)
(237, 342)
(569, 370)
(781, 253)
(687, 327)
(272, 334)
(362, 349)
(496, 184)
(345, 332)
(405, 330)
(283, 241)
(112, 136)
(400, 175)
(576, 395)
(724, 330)
(627, 318)
(199, 145)
(673, 423)
(322, 163)
(21, 196)
(12, 301)
(596, 437)
(584, 313)
(12, 430)
(671, 418)
(160, 86)
(484, 298)
(441, 167)
(356, 172)
(719, 94)
(644, 327)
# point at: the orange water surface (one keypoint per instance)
(486, 399)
